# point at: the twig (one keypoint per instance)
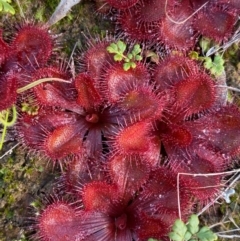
(9, 151)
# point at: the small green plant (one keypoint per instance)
(190, 231)
(6, 7)
(214, 64)
(29, 107)
(118, 50)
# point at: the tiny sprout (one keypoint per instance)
(36, 204)
(29, 108)
(118, 50)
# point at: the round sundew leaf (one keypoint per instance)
(8, 90)
(175, 35)
(195, 94)
(96, 59)
(234, 5)
(149, 226)
(122, 4)
(203, 187)
(31, 47)
(150, 10)
(4, 49)
(99, 196)
(54, 93)
(31, 131)
(159, 196)
(133, 139)
(215, 22)
(136, 29)
(66, 89)
(119, 82)
(88, 96)
(58, 222)
(63, 141)
(129, 172)
(172, 70)
(143, 103)
(221, 129)
(175, 135)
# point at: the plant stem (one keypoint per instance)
(40, 81)
(4, 132)
(4, 121)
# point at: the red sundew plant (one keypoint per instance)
(113, 128)
(96, 117)
(111, 212)
(114, 143)
(124, 127)
(177, 24)
(30, 49)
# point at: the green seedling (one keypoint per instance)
(214, 64)
(6, 7)
(119, 48)
(191, 231)
(29, 107)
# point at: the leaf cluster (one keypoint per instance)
(215, 65)
(191, 231)
(5, 6)
(119, 48)
(29, 108)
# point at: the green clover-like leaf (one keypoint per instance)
(205, 234)
(127, 66)
(208, 63)
(136, 49)
(217, 70)
(118, 50)
(130, 56)
(112, 48)
(179, 230)
(138, 57)
(187, 236)
(133, 65)
(121, 46)
(118, 57)
(218, 60)
(193, 224)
